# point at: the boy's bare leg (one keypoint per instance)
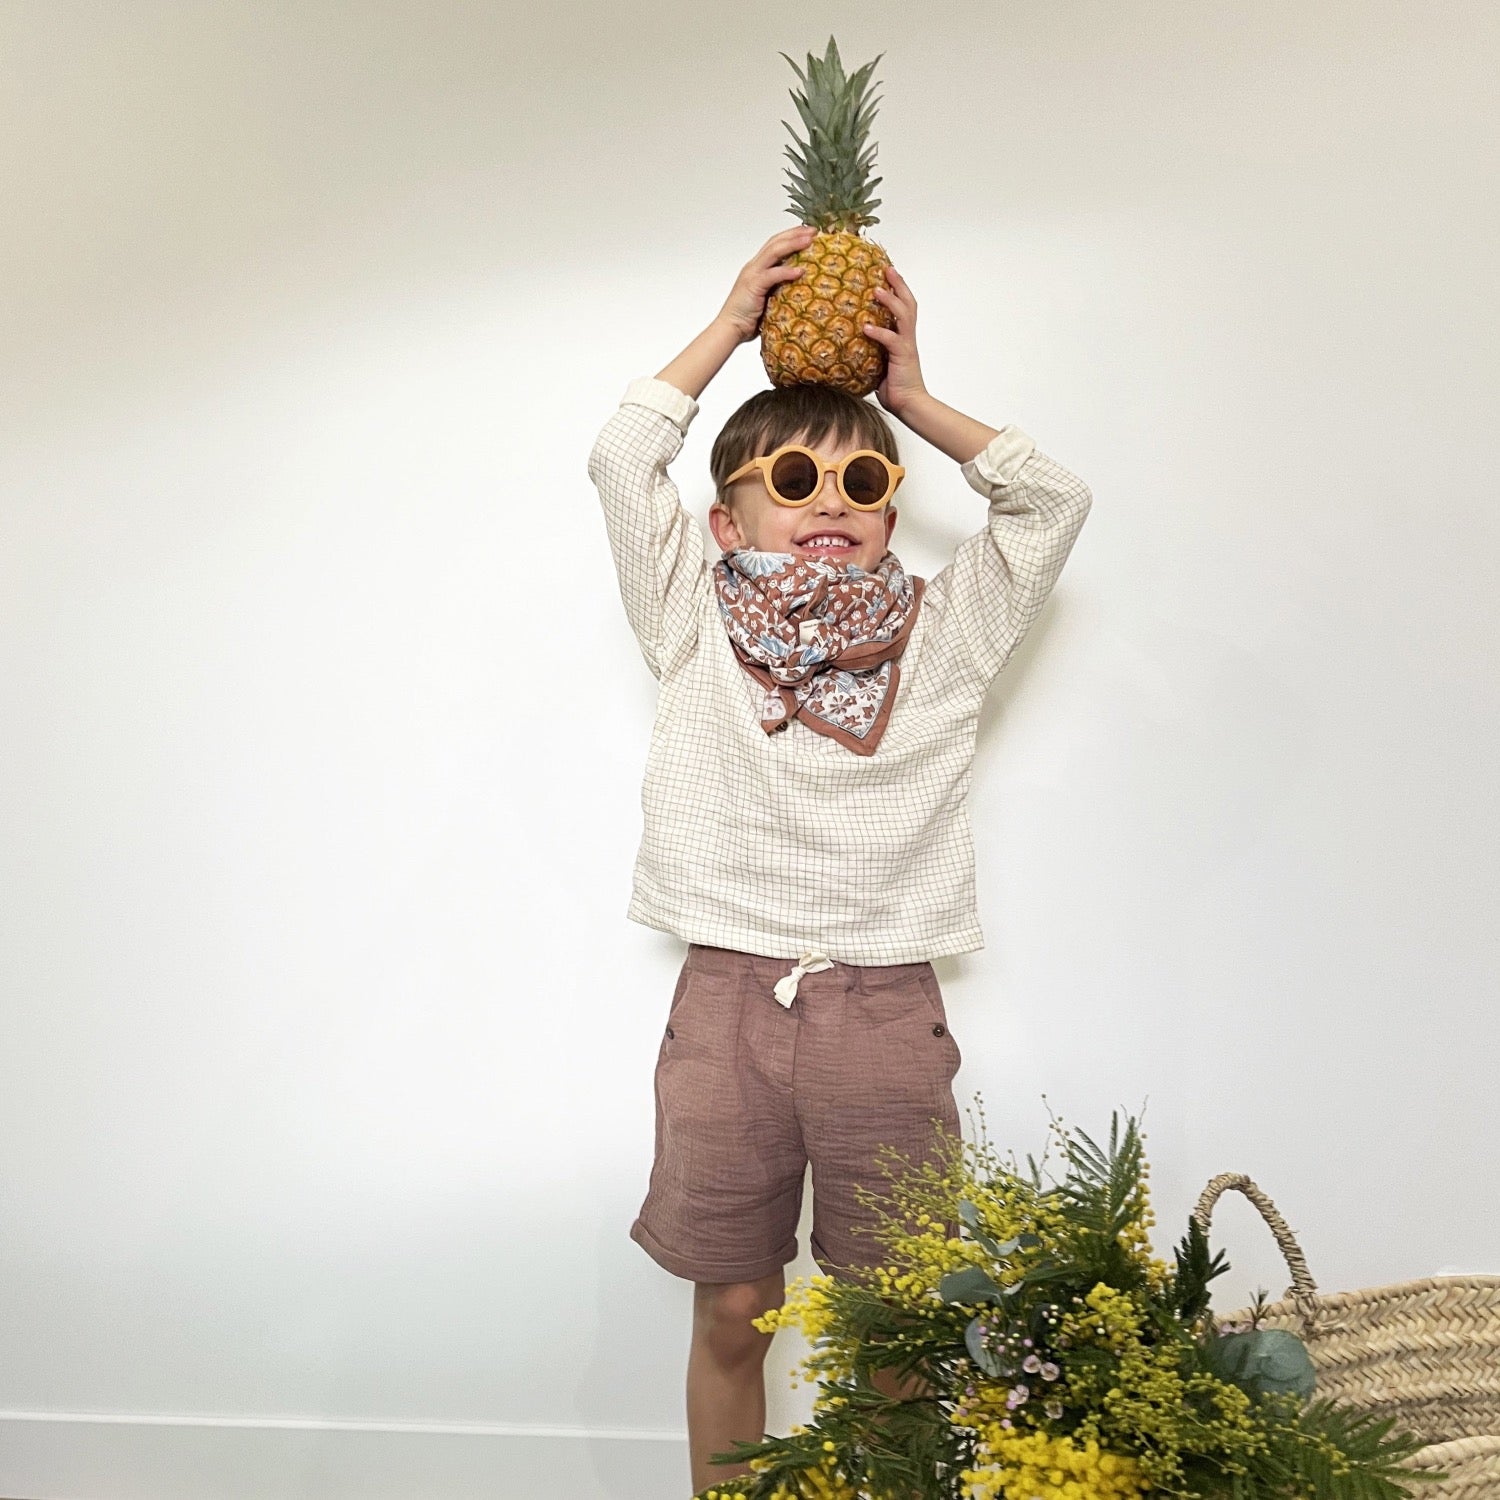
(900, 1387)
(726, 1387)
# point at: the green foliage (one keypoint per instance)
(1195, 1269)
(971, 1284)
(1101, 1190)
(1265, 1361)
(1099, 1197)
(885, 1446)
(1048, 1325)
(969, 1217)
(829, 180)
(1332, 1453)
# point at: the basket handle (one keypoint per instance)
(1303, 1290)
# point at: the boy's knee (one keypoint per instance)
(722, 1313)
(901, 1387)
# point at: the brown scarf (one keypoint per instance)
(823, 639)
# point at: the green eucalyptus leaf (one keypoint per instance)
(1266, 1361)
(978, 1352)
(1021, 1242)
(970, 1284)
(969, 1216)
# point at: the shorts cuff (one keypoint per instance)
(691, 1270)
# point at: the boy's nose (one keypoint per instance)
(828, 498)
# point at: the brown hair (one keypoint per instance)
(817, 412)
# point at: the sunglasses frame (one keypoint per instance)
(767, 461)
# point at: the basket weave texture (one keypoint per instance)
(1426, 1353)
(1472, 1466)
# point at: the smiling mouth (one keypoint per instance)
(827, 541)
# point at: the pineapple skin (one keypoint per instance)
(811, 329)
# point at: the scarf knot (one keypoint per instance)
(823, 639)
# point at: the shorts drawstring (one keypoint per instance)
(811, 962)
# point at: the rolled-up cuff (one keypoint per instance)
(1000, 461)
(659, 395)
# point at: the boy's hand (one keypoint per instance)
(746, 304)
(903, 371)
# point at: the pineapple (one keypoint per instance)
(811, 329)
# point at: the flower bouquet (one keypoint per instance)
(1044, 1352)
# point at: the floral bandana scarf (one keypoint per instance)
(823, 639)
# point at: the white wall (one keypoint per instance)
(325, 1095)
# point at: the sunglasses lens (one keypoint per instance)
(866, 481)
(795, 476)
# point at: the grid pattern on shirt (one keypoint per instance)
(776, 844)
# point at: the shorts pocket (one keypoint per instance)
(938, 1013)
(695, 1018)
(677, 994)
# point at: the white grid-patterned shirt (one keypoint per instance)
(779, 844)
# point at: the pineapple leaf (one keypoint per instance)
(831, 184)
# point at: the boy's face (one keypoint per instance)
(825, 528)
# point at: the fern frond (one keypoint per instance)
(1338, 1453)
(1195, 1269)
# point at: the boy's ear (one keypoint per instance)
(890, 523)
(725, 528)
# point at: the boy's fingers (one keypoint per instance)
(786, 241)
(904, 314)
(900, 294)
(778, 274)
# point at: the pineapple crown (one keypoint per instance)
(829, 179)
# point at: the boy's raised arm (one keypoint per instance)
(657, 546)
(738, 320)
(984, 601)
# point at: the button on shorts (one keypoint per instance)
(748, 1092)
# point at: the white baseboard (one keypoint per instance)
(88, 1456)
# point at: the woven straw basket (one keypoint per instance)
(1424, 1352)
(1471, 1464)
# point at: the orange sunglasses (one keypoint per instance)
(794, 474)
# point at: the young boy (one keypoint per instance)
(805, 829)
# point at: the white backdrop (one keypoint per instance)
(325, 1093)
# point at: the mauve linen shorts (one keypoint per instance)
(749, 1091)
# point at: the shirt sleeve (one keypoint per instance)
(983, 602)
(657, 545)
